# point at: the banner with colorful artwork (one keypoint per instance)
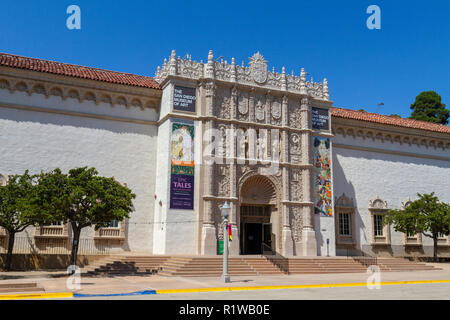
(182, 167)
(323, 198)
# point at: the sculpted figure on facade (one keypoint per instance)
(294, 114)
(223, 103)
(260, 108)
(294, 147)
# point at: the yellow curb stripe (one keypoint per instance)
(37, 296)
(310, 286)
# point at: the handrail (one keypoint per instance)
(275, 258)
(366, 260)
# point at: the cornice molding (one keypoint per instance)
(32, 82)
(76, 114)
(384, 133)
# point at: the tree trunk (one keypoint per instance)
(75, 244)
(11, 238)
(435, 248)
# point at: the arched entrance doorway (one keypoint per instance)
(258, 215)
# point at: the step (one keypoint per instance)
(25, 289)
(18, 285)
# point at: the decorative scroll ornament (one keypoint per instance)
(258, 67)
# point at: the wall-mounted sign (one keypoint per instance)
(182, 167)
(320, 119)
(323, 197)
(184, 99)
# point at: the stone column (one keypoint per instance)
(231, 145)
(308, 233)
(286, 231)
(209, 240)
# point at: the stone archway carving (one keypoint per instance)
(257, 189)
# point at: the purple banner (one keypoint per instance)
(182, 192)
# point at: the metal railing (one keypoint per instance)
(275, 258)
(30, 245)
(366, 260)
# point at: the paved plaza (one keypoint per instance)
(433, 284)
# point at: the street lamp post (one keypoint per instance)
(225, 212)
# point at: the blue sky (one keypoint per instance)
(410, 54)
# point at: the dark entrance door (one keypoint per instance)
(253, 238)
(256, 229)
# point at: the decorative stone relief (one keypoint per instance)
(276, 111)
(256, 73)
(222, 71)
(378, 204)
(258, 68)
(260, 109)
(296, 223)
(243, 103)
(294, 114)
(294, 147)
(217, 218)
(296, 185)
(223, 103)
(222, 180)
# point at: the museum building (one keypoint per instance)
(303, 178)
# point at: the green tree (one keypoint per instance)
(428, 107)
(18, 208)
(83, 199)
(426, 215)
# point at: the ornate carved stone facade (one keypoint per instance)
(265, 106)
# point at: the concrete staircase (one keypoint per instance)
(125, 265)
(20, 287)
(317, 266)
(204, 267)
(192, 266)
(398, 264)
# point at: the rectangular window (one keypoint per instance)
(411, 235)
(114, 224)
(378, 224)
(344, 224)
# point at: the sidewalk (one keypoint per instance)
(116, 285)
(56, 281)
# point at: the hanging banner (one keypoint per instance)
(323, 198)
(182, 167)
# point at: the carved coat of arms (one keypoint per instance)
(258, 67)
(276, 110)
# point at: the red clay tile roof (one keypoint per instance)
(393, 121)
(76, 71)
(71, 70)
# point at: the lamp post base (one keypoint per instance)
(225, 278)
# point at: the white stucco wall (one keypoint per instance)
(175, 231)
(363, 175)
(44, 141)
